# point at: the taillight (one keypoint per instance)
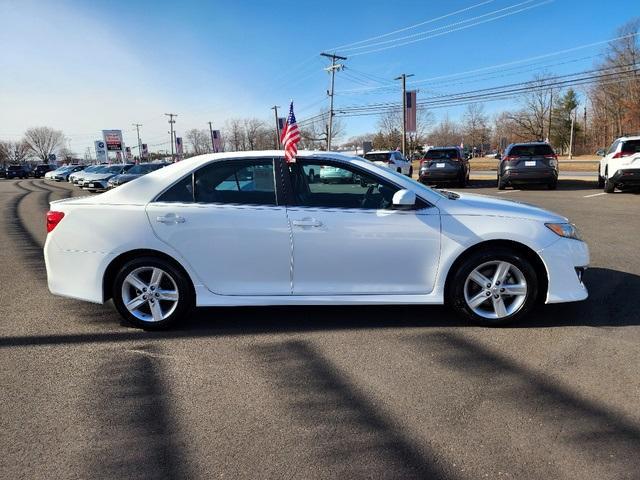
(53, 219)
(509, 159)
(554, 156)
(622, 154)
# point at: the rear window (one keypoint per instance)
(631, 146)
(442, 154)
(530, 151)
(378, 157)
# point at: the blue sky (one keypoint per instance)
(82, 66)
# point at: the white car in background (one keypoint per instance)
(391, 159)
(248, 229)
(620, 165)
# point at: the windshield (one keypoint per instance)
(442, 154)
(530, 151)
(378, 157)
(112, 169)
(144, 168)
(416, 185)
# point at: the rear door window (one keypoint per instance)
(378, 157)
(631, 146)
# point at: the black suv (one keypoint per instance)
(17, 171)
(528, 163)
(445, 165)
(41, 169)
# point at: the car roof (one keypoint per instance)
(629, 137)
(381, 151)
(443, 148)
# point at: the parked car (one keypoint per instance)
(192, 234)
(444, 165)
(49, 175)
(528, 163)
(40, 170)
(76, 177)
(134, 172)
(16, 171)
(3, 171)
(391, 159)
(62, 174)
(99, 180)
(620, 165)
(330, 174)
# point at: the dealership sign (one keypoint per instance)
(113, 140)
(101, 151)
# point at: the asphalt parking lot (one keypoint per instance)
(302, 393)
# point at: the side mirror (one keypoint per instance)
(498, 156)
(404, 199)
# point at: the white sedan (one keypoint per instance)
(248, 229)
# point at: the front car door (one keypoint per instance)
(227, 221)
(348, 239)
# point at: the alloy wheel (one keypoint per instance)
(495, 290)
(150, 294)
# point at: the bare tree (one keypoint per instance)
(44, 141)
(14, 152)
(315, 133)
(199, 140)
(533, 117)
(446, 133)
(234, 134)
(389, 134)
(256, 134)
(476, 127)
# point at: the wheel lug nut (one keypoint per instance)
(488, 294)
(144, 289)
(502, 290)
(498, 283)
(157, 294)
(488, 285)
(496, 296)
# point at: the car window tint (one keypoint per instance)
(631, 146)
(378, 157)
(339, 187)
(441, 154)
(181, 192)
(530, 150)
(238, 182)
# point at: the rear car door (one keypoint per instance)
(227, 221)
(348, 239)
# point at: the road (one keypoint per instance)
(331, 392)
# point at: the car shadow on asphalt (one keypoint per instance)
(552, 414)
(338, 426)
(563, 184)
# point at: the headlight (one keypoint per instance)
(566, 230)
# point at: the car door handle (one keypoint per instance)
(170, 218)
(307, 222)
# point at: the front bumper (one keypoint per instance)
(95, 184)
(627, 177)
(530, 175)
(565, 261)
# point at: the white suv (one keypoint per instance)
(620, 166)
(392, 159)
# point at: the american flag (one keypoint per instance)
(290, 137)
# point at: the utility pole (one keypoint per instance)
(573, 121)
(334, 66)
(275, 110)
(404, 77)
(138, 125)
(213, 148)
(171, 122)
(550, 112)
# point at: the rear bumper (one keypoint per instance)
(434, 175)
(627, 177)
(565, 261)
(531, 175)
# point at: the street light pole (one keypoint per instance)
(275, 109)
(404, 77)
(573, 121)
(334, 66)
(213, 148)
(171, 122)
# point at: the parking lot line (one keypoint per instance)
(506, 191)
(595, 195)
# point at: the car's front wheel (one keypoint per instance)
(494, 287)
(151, 293)
(609, 186)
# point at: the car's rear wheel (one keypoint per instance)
(151, 293)
(410, 172)
(494, 287)
(552, 185)
(501, 183)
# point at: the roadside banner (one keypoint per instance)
(113, 140)
(101, 151)
(145, 151)
(215, 140)
(179, 146)
(128, 153)
(410, 113)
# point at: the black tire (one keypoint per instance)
(411, 172)
(501, 183)
(455, 290)
(609, 186)
(553, 185)
(600, 181)
(185, 290)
